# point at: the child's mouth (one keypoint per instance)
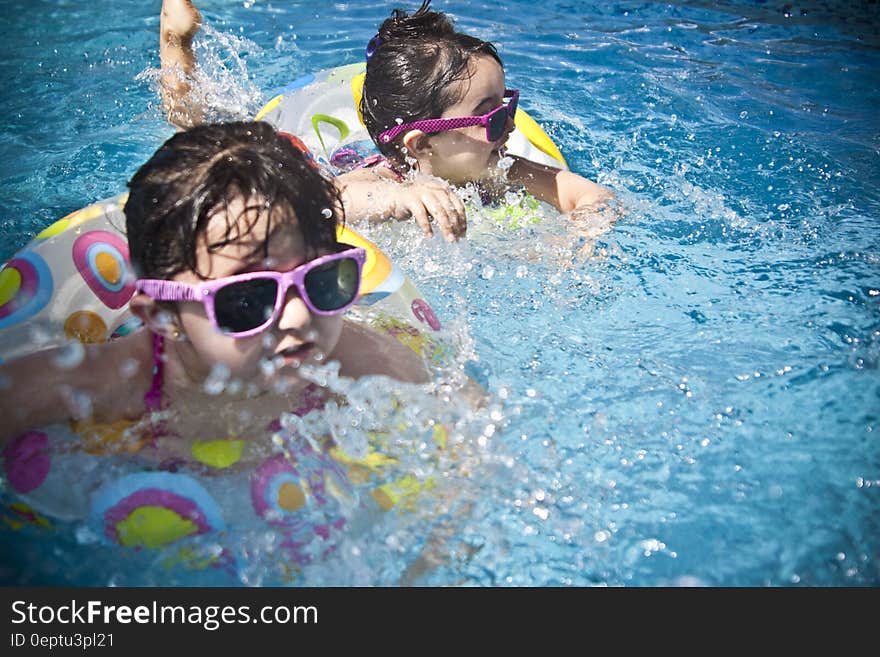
(295, 356)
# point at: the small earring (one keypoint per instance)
(177, 335)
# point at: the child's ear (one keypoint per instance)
(156, 318)
(417, 144)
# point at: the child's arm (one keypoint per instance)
(364, 351)
(565, 190)
(178, 24)
(103, 381)
(375, 195)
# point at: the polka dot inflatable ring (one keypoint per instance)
(72, 282)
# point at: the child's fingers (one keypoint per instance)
(418, 211)
(436, 206)
(453, 205)
(459, 214)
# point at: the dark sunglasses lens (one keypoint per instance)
(244, 306)
(334, 285)
(497, 124)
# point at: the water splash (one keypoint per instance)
(220, 84)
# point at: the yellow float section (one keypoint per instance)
(218, 454)
(377, 266)
(535, 134)
(272, 104)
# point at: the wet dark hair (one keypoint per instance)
(200, 171)
(414, 61)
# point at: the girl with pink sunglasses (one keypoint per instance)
(232, 237)
(435, 100)
(436, 105)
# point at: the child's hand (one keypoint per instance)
(587, 224)
(179, 19)
(426, 199)
(374, 195)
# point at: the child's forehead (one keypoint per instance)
(249, 218)
(248, 232)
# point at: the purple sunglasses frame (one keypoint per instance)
(204, 293)
(439, 125)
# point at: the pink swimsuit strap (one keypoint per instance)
(153, 396)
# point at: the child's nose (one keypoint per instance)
(295, 314)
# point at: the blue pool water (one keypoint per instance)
(696, 403)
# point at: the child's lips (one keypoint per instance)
(296, 355)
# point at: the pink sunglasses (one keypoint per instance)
(495, 121)
(244, 305)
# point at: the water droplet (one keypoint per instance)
(217, 378)
(128, 368)
(70, 355)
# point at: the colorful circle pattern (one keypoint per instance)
(25, 288)
(152, 509)
(298, 496)
(101, 257)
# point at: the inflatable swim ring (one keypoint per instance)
(322, 110)
(72, 284)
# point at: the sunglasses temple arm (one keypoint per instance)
(168, 290)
